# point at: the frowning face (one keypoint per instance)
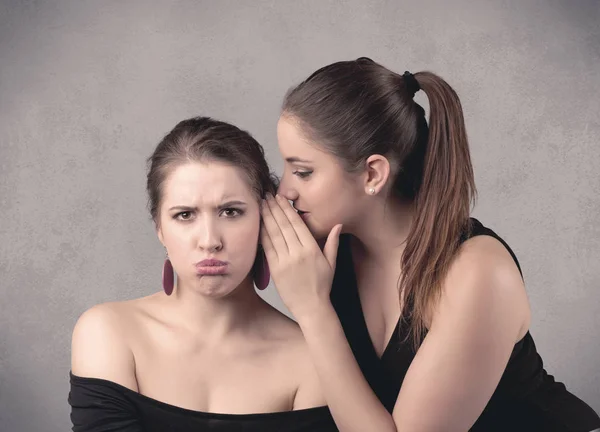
(209, 222)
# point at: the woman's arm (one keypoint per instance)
(483, 312)
(351, 401)
(481, 315)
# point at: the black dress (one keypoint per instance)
(103, 406)
(526, 399)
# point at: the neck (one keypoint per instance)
(216, 318)
(382, 231)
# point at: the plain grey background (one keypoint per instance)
(88, 88)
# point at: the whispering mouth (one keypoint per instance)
(300, 212)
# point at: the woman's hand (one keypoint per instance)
(302, 273)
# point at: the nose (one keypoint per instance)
(285, 188)
(209, 235)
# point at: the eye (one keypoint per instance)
(183, 216)
(302, 174)
(232, 212)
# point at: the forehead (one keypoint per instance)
(293, 142)
(206, 182)
(296, 148)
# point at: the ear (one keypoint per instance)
(377, 173)
(159, 233)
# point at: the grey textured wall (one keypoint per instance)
(87, 88)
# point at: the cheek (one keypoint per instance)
(337, 203)
(332, 194)
(174, 237)
(247, 236)
(318, 192)
(243, 238)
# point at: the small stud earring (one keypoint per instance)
(372, 191)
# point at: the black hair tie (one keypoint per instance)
(412, 85)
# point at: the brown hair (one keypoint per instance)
(201, 139)
(355, 109)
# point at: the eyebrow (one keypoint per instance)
(294, 159)
(224, 205)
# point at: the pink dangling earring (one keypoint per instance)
(261, 273)
(168, 276)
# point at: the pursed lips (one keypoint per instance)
(211, 267)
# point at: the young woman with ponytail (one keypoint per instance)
(415, 314)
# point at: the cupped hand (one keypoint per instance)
(302, 273)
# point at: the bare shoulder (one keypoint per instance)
(484, 257)
(484, 277)
(297, 359)
(309, 393)
(100, 344)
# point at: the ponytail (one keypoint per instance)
(442, 204)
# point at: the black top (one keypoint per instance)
(526, 399)
(103, 406)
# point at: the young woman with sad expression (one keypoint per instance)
(207, 353)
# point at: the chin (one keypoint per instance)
(319, 232)
(215, 286)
